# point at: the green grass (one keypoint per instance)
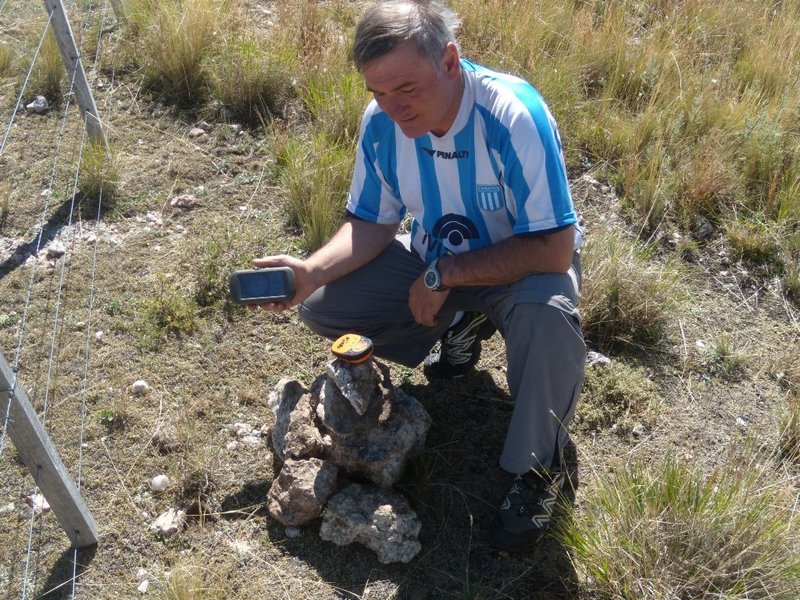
(316, 175)
(336, 101)
(665, 531)
(253, 85)
(628, 298)
(99, 173)
(48, 72)
(789, 442)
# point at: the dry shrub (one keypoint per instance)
(664, 531)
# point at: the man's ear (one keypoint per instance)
(451, 61)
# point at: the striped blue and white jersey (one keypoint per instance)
(498, 172)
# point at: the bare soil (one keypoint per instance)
(220, 373)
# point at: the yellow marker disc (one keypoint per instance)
(352, 347)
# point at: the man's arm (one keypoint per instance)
(503, 263)
(510, 260)
(355, 244)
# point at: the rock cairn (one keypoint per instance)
(352, 425)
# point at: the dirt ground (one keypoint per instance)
(86, 341)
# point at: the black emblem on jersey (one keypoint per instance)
(454, 229)
(458, 154)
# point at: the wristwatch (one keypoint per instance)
(433, 278)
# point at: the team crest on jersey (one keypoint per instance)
(490, 197)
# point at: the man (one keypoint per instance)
(475, 157)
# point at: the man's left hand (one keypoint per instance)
(424, 303)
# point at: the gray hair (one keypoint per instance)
(428, 24)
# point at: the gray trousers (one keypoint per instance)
(537, 316)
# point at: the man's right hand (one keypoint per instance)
(303, 281)
(352, 246)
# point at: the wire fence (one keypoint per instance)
(29, 578)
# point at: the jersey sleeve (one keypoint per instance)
(374, 195)
(534, 173)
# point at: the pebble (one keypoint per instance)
(143, 587)
(39, 105)
(184, 201)
(139, 387)
(169, 523)
(159, 483)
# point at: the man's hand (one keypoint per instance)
(351, 247)
(303, 280)
(424, 303)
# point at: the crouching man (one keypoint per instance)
(475, 157)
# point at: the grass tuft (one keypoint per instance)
(627, 299)
(189, 581)
(665, 531)
(250, 83)
(99, 171)
(6, 59)
(316, 174)
(48, 71)
(177, 38)
(616, 394)
(789, 442)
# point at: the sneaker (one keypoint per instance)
(524, 517)
(460, 348)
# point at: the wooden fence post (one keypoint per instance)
(37, 452)
(74, 66)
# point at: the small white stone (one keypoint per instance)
(159, 483)
(39, 105)
(141, 574)
(143, 587)
(139, 387)
(169, 523)
(99, 336)
(741, 423)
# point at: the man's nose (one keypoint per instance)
(394, 107)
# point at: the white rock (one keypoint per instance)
(34, 505)
(159, 483)
(169, 523)
(99, 336)
(141, 574)
(55, 250)
(140, 387)
(196, 132)
(39, 105)
(143, 587)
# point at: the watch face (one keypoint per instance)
(431, 279)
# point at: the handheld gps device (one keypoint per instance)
(257, 286)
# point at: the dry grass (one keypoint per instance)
(48, 72)
(663, 531)
(628, 299)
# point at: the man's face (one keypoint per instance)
(413, 93)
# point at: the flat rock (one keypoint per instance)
(381, 520)
(169, 523)
(301, 490)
